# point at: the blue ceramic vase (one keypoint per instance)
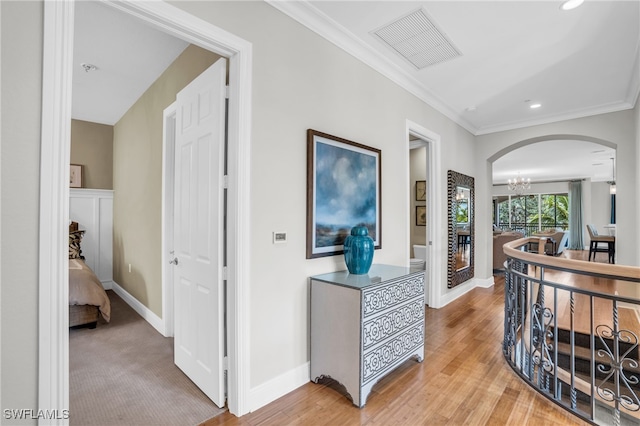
(358, 250)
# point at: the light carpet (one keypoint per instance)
(122, 373)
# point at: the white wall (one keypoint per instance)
(600, 206)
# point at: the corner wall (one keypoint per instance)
(137, 181)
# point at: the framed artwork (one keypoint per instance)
(421, 190)
(75, 176)
(343, 190)
(421, 215)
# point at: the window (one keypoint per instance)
(532, 213)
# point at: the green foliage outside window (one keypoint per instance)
(462, 212)
(524, 214)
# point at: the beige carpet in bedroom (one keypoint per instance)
(122, 373)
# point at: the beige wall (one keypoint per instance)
(417, 171)
(137, 180)
(92, 147)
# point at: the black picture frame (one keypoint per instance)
(344, 189)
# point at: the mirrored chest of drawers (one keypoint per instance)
(364, 326)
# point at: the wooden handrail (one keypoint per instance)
(570, 265)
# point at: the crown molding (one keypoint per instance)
(315, 20)
(634, 85)
(306, 14)
(572, 115)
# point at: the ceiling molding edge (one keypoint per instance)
(587, 112)
(315, 20)
(634, 85)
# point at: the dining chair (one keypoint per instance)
(596, 241)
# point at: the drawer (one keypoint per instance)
(381, 327)
(385, 357)
(392, 293)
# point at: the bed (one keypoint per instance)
(87, 298)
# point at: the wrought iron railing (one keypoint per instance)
(571, 332)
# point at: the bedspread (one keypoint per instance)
(86, 289)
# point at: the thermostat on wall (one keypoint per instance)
(279, 237)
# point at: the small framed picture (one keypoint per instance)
(75, 176)
(421, 190)
(421, 215)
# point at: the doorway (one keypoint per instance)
(54, 198)
(435, 239)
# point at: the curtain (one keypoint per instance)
(575, 216)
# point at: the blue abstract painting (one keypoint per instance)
(346, 193)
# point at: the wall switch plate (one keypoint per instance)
(279, 237)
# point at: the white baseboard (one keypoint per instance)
(465, 288)
(155, 321)
(485, 282)
(107, 285)
(279, 386)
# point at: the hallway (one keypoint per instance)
(463, 380)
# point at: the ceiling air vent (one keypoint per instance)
(417, 39)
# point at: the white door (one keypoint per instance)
(199, 233)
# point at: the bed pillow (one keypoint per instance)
(75, 251)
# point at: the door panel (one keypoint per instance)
(198, 222)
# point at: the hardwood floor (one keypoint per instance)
(464, 379)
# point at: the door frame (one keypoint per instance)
(53, 331)
(436, 240)
(168, 176)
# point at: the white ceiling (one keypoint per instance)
(129, 57)
(576, 63)
(556, 161)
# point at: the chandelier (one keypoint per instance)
(519, 185)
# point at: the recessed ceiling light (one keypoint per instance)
(570, 4)
(534, 106)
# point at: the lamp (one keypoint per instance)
(519, 184)
(612, 183)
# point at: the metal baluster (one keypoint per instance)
(616, 363)
(572, 339)
(592, 342)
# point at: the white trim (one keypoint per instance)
(53, 349)
(53, 262)
(308, 15)
(168, 148)
(279, 386)
(436, 240)
(147, 314)
(464, 288)
(485, 282)
(305, 13)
